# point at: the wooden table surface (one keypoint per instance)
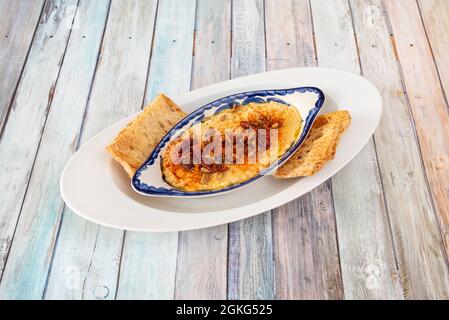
(379, 229)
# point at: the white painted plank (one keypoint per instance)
(435, 14)
(422, 269)
(23, 130)
(366, 253)
(202, 254)
(304, 235)
(29, 259)
(148, 265)
(250, 265)
(17, 26)
(289, 34)
(87, 256)
(427, 102)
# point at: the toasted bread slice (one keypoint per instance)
(133, 144)
(319, 146)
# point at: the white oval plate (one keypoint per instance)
(96, 187)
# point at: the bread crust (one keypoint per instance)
(318, 148)
(134, 143)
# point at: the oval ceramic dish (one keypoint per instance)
(148, 179)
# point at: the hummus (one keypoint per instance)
(231, 146)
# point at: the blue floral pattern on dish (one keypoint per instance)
(154, 184)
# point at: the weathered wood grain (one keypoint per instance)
(17, 26)
(435, 14)
(54, 74)
(86, 259)
(23, 130)
(171, 62)
(202, 254)
(366, 252)
(250, 259)
(289, 34)
(305, 244)
(148, 266)
(250, 265)
(427, 102)
(29, 259)
(417, 240)
(248, 37)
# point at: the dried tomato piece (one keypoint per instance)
(214, 167)
(245, 124)
(187, 166)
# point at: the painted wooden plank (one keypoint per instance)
(435, 14)
(427, 102)
(367, 259)
(87, 256)
(250, 264)
(304, 235)
(17, 27)
(23, 130)
(26, 272)
(248, 37)
(417, 241)
(289, 34)
(148, 265)
(173, 43)
(202, 254)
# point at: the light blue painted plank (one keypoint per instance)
(171, 62)
(23, 130)
(202, 254)
(250, 265)
(18, 23)
(87, 256)
(148, 266)
(149, 260)
(27, 268)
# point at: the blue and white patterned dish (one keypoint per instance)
(148, 179)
